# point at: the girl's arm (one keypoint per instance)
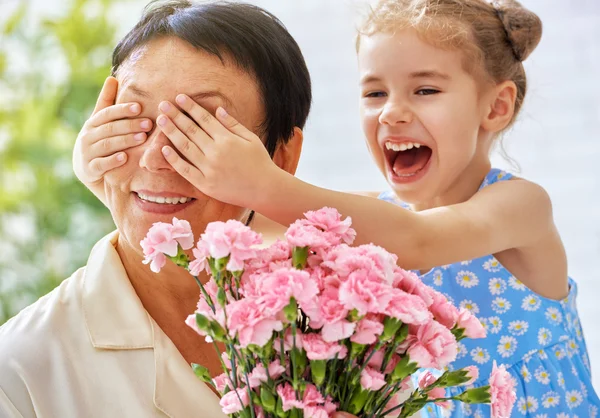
(505, 215)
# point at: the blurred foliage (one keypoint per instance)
(51, 70)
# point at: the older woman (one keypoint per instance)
(111, 341)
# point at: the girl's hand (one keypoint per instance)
(105, 135)
(221, 157)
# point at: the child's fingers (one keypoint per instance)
(233, 125)
(99, 166)
(119, 127)
(114, 144)
(186, 146)
(115, 112)
(107, 95)
(189, 172)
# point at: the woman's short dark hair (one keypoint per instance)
(253, 38)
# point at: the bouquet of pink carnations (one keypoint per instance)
(312, 325)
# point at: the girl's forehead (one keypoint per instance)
(405, 52)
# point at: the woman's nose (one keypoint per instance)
(152, 158)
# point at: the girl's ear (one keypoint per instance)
(500, 107)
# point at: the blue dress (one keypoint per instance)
(540, 340)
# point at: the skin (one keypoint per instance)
(149, 80)
(432, 99)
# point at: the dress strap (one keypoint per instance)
(494, 176)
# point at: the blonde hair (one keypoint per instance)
(495, 38)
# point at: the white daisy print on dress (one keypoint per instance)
(550, 399)
(561, 380)
(593, 411)
(542, 354)
(531, 303)
(501, 305)
(526, 374)
(462, 351)
(495, 324)
(563, 415)
(544, 336)
(438, 277)
(497, 286)
(469, 305)
(518, 328)
(516, 283)
(542, 375)
(560, 353)
(492, 265)
(573, 398)
(507, 346)
(553, 315)
(467, 279)
(527, 405)
(480, 355)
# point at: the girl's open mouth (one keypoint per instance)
(408, 159)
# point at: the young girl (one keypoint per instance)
(440, 80)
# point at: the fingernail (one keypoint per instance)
(180, 99)
(221, 112)
(120, 157)
(145, 124)
(166, 151)
(164, 106)
(139, 137)
(162, 120)
(135, 108)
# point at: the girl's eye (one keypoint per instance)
(375, 94)
(427, 92)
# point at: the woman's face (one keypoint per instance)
(147, 189)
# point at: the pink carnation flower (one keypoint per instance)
(221, 382)
(312, 396)
(371, 379)
(469, 322)
(411, 283)
(230, 402)
(431, 345)
(502, 391)
(365, 293)
(367, 332)
(288, 397)
(200, 263)
(319, 349)
(233, 239)
(164, 238)
(443, 311)
(259, 374)
(249, 321)
(278, 287)
(330, 220)
(410, 309)
(303, 234)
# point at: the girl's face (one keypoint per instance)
(422, 116)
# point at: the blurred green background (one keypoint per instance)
(51, 70)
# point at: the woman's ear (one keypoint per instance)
(287, 155)
(501, 107)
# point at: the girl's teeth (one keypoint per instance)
(401, 147)
(165, 200)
